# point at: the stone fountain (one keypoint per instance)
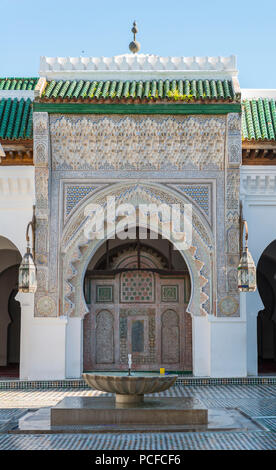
(129, 409)
(129, 388)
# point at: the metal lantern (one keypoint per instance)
(27, 273)
(27, 270)
(246, 268)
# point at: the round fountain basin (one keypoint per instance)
(129, 389)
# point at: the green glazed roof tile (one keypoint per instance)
(85, 89)
(99, 86)
(181, 87)
(18, 83)
(16, 119)
(27, 115)
(119, 89)
(125, 93)
(143, 90)
(58, 88)
(64, 89)
(259, 119)
(71, 88)
(244, 126)
(112, 89)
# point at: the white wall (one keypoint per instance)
(228, 348)
(219, 345)
(16, 200)
(201, 346)
(74, 354)
(42, 348)
(258, 194)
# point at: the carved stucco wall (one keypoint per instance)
(179, 159)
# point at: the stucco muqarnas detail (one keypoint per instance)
(137, 143)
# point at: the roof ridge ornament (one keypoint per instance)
(134, 46)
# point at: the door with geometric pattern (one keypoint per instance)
(141, 313)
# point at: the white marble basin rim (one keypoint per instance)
(129, 385)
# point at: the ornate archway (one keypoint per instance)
(77, 250)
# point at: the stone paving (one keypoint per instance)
(256, 401)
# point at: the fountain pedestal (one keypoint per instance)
(129, 399)
(106, 412)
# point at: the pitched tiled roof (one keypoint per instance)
(16, 119)
(259, 119)
(18, 83)
(144, 91)
(258, 115)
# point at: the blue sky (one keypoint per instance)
(30, 28)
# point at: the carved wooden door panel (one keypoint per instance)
(138, 313)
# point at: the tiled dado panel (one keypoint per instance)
(182, 379)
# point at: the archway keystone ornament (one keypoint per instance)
(77, 250)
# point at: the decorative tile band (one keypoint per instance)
(181, 380)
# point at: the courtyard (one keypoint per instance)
(254, 402)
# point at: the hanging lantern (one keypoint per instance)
(27, 273)
(246, 268)
(27, 270)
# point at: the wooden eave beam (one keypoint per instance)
(259, 144)
(259, 153)
(18, 152)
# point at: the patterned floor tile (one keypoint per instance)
(154, 441)
(269, 423)
(7, 414)
(257, 401)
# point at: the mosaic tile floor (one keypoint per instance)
(256, 401)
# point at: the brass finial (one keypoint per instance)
(134, 46)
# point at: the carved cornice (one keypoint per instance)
(259, 182)
(16, 186)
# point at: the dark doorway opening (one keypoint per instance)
(10, 316)
(137, 292)
(266, 322)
